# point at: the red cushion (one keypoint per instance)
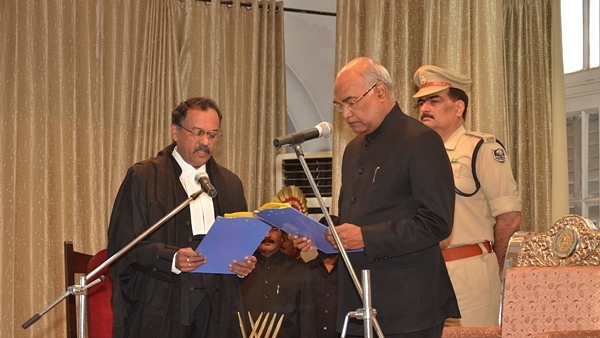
(100, 310)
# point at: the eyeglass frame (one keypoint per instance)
(339, 107)
(216, 134)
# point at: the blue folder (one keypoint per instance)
(294, 222)
(229, 239)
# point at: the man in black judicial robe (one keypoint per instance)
(154, 292)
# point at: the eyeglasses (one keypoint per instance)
(197, 132)
(339, 107)
(273, 229)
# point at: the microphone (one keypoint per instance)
(321, 130)
(204, 182)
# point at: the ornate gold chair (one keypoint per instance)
(551, 284)
(554, 291)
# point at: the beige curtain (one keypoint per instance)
(477, 38)
(86, 89)
(535, 84)
(560, 167)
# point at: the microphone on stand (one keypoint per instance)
(204, 182)
(321, 130)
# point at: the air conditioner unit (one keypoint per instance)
(289, 172)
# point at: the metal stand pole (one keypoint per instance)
(75, 290)
(80, 290)
(338, 242)
(367, 310)
(367, 314)
(82, 314)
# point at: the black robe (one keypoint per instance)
(148, 299)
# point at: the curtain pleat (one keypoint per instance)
(86, 90)
(528, 30)
(385, 31)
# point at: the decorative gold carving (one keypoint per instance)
(571, 241)
(514, 248)
(566, 241)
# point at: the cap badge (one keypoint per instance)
(423, 80)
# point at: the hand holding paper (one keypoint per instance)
(187, 259)
(350, 237)
(229, 240)
(304, 244)
(243, 268)
(298, 225)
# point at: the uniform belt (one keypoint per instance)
(465, 251)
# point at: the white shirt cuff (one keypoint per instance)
(173, 267)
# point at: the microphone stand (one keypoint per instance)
(95, 277)
(367, 314)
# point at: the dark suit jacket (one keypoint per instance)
(281, 285)
(147, 297)
(397, 185)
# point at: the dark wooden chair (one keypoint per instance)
(75, 263)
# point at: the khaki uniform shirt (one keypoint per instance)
(475, 216)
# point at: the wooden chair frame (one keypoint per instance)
(75, 263)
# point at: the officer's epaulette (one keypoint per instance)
(487, 138)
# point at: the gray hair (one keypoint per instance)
(375, 72)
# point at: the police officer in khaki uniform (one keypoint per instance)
(487, 207)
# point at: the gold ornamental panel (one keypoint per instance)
(571, 241)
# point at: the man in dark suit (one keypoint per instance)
(324, 270)
(280, 285)
(396, 203)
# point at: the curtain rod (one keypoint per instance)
(308, 11)
(286, 9)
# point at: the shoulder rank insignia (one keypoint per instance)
(487, 138)
(499, 155)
